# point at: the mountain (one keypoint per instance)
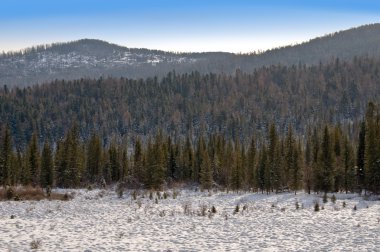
(94, 58)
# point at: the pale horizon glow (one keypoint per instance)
(240, 26)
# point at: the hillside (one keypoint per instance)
(234, 105)
(94, 58)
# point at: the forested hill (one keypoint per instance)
(93, 58)
(194, 104)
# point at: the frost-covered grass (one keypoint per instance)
(99, 220)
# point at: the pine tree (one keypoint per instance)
(237, 170)
(47, 166)
(262, 168)
(307, 169)
(205, 168)
(273, 160)
(33, 161)
(5, 158)
(326, 175)
(138, 168)
(349, 169)
(251, 166)
(93, 159)
(360, 160)
(159, 162)
(372, 150)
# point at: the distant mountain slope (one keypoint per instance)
(95, 58)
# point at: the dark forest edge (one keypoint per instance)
(326, 160)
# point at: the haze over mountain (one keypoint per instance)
(94, 58)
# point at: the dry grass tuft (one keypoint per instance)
(28, 193)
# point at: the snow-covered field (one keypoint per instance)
(100, 221)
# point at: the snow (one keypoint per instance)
(98, 220)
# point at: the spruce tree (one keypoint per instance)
(360, 160)
(47, 167)
(33, 161)
(371, 147)
(205, 169)
(251, 166)
(93, 159)
(5, 158)
(326, 175)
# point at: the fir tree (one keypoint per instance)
(5, 158)
(47, 166)
(326, 175)
(33, 161)
(360, 160)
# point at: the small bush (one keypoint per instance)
(325, 198)
(333, 199)
(344, 204)
(316, 207)
(237, 209)
(186, 208)
(139, 203)
(355, 208)
(134, 195)
(213, 209)
(151, 195)
(35, 244)
(175, 194)
(162, 213)
(165, 195)
(202, 210)
(119, 190)
(10, 193)
(156, 201)
(297, 205)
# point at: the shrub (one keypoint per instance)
(297, 205)
(165, 195)
(202, 210)
(316, 207)
(119, 190)
(10, 193)
(134, 195)
(35, 244)
(355, 208)
(213, 209)
(325, 198)
(175, 194)
(333, 199)
(237, 209)
(186, 208)
(344, 203)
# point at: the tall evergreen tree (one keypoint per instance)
(360, 160)
(5, 158)
(94, 158)
(47, 166)
(326, 175)
(33, 161)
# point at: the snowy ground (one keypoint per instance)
(99, 221)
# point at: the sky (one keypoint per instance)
(238, 26)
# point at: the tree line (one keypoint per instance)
(324, 160)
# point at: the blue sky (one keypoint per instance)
(177, 25)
